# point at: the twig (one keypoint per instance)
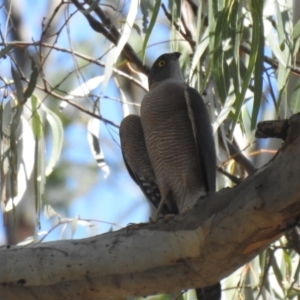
(187, 35)
(237, 155)
(20, 44)
(233, 178)
(111, 33)
(271, 61)
(74, 105)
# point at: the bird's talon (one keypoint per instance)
(185, 210)
(168, 217)
(133, 226)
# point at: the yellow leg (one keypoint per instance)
(159, 209)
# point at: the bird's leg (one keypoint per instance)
(183, 207)
(159, 209)
(160, 206)
(133, 226)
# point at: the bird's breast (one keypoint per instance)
(169, 136)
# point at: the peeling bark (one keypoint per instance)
(221, 233)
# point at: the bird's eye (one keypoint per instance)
(161, 63)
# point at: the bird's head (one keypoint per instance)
(165, 67)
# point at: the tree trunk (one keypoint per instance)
(221, 233)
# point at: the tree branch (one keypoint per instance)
(221, 233)
(112, 34)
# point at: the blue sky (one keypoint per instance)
(115, 199)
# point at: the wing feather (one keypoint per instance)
(203, 136)
(138, 163)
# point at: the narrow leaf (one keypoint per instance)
(203, 44)
(150, 28)
(18, 84)
(258, 37)
(5, 50)
(32, 82)
(25, 168)
(115, 52)
(296, 30)
(37, 127)
(93, 139)
(82, 90)
(295, 99)
(58, 138)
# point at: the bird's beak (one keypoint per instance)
(176, 55)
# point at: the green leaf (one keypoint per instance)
(296, 30)
(150, 28)
(273, 44)
(144, 6)
(13, 159)
(255, 63)
(218, 56)
(288, 265)
(203, 44)
(58, 138)
(114, 53)
(5, 50)
(39, 175)
(295, 99)
(277, 272)
(32, 82)
(258, 37)
(37, 127)
(18, 84)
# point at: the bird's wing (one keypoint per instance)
(137, 161)
(203, 136)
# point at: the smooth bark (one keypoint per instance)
(224, 231)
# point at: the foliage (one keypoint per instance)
(241, 55)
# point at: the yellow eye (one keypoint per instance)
(161, 63)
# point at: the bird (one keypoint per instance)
(169, 149)
(138, 163)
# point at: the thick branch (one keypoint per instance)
(276, 129)
(223, 232)
(112, 34)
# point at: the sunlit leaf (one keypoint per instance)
(295, 99)
(82, 90)
(57, 138)
(273, 44)
(63, 229)
(27, 241)
(114, 54)
(199, 52)
(227, 108)
(32, 81)
(93, 5)
(258, 38)
(37, 124)
(15, 134)
(94, 142)
(125, 106)
(277, 272)
(150, 28)
(26, 166)
(49, 211)
(73, 227)
(296, 30)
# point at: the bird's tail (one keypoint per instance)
(210, 292)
